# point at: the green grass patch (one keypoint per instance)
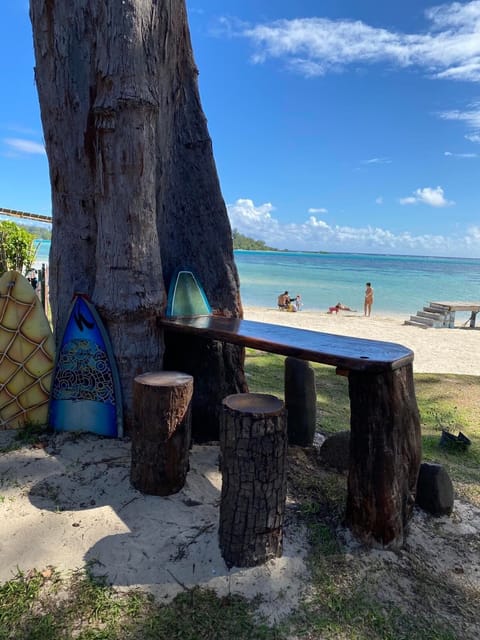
(445, 401)
(45, 606)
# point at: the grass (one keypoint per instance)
(29, 434)
(43, 605)
(445, 401)
(350, 598)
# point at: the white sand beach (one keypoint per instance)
(69, 500)
(455, 350)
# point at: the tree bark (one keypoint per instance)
(135, 192)
(253, 445)
(161, 433)
(385, 453)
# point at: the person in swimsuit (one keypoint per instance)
(339, 307)
(283, 300)
(367, 307)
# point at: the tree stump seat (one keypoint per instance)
(253, 445)
(161, 432)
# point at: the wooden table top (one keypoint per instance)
(459, 306)
(344, 352)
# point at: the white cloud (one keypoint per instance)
(473, 137)
(315, 234)
(470, 116)
(321, 210)
(317, 46)
(427, 195)
(25, 146)
(461, 155)
(377, 161)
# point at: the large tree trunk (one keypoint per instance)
(134, 187)
(194, 231)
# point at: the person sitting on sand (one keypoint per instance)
(339, 307)
(283, 300)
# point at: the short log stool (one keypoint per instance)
(161, 433)
(253, 446)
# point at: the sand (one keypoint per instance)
(69, 500)
(455, 350)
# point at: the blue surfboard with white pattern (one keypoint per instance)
(86, 391)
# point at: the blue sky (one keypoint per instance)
(336, 125)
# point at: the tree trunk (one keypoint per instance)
(134, 187)
(385, 452)
(253, 447)
(161, 433)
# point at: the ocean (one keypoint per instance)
(403, 284)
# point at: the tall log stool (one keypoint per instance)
(253, 446)
(161, 433)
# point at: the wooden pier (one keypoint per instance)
(442, 314)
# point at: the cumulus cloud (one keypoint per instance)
(20, 145)
(432, 197)
(315, 234)
(321, 210)
(450, 48)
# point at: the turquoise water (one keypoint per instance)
(403, 284)
(42, 249)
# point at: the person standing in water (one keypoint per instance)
(367, 307)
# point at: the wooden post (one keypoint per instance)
(300, 401)
(385, 454)
(253, 444)
(161, 431)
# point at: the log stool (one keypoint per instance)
(161, 432)
(253, 446)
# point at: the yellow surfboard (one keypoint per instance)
(26, 354)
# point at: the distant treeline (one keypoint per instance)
(244, 242)
(37, 231)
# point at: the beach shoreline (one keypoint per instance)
(446, 350)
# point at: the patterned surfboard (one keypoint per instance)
(186, 296)
(86, 393)
(26, 354)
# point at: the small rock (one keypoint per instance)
(434, 490)
(335, 451)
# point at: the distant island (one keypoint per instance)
(248, 244)
(244, 243)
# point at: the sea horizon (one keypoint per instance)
(403, 283)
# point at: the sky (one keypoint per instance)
(336, 126)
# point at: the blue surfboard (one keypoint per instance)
(186, 296)
(86, 392)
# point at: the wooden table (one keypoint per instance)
(385, 444)
(344, 352)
